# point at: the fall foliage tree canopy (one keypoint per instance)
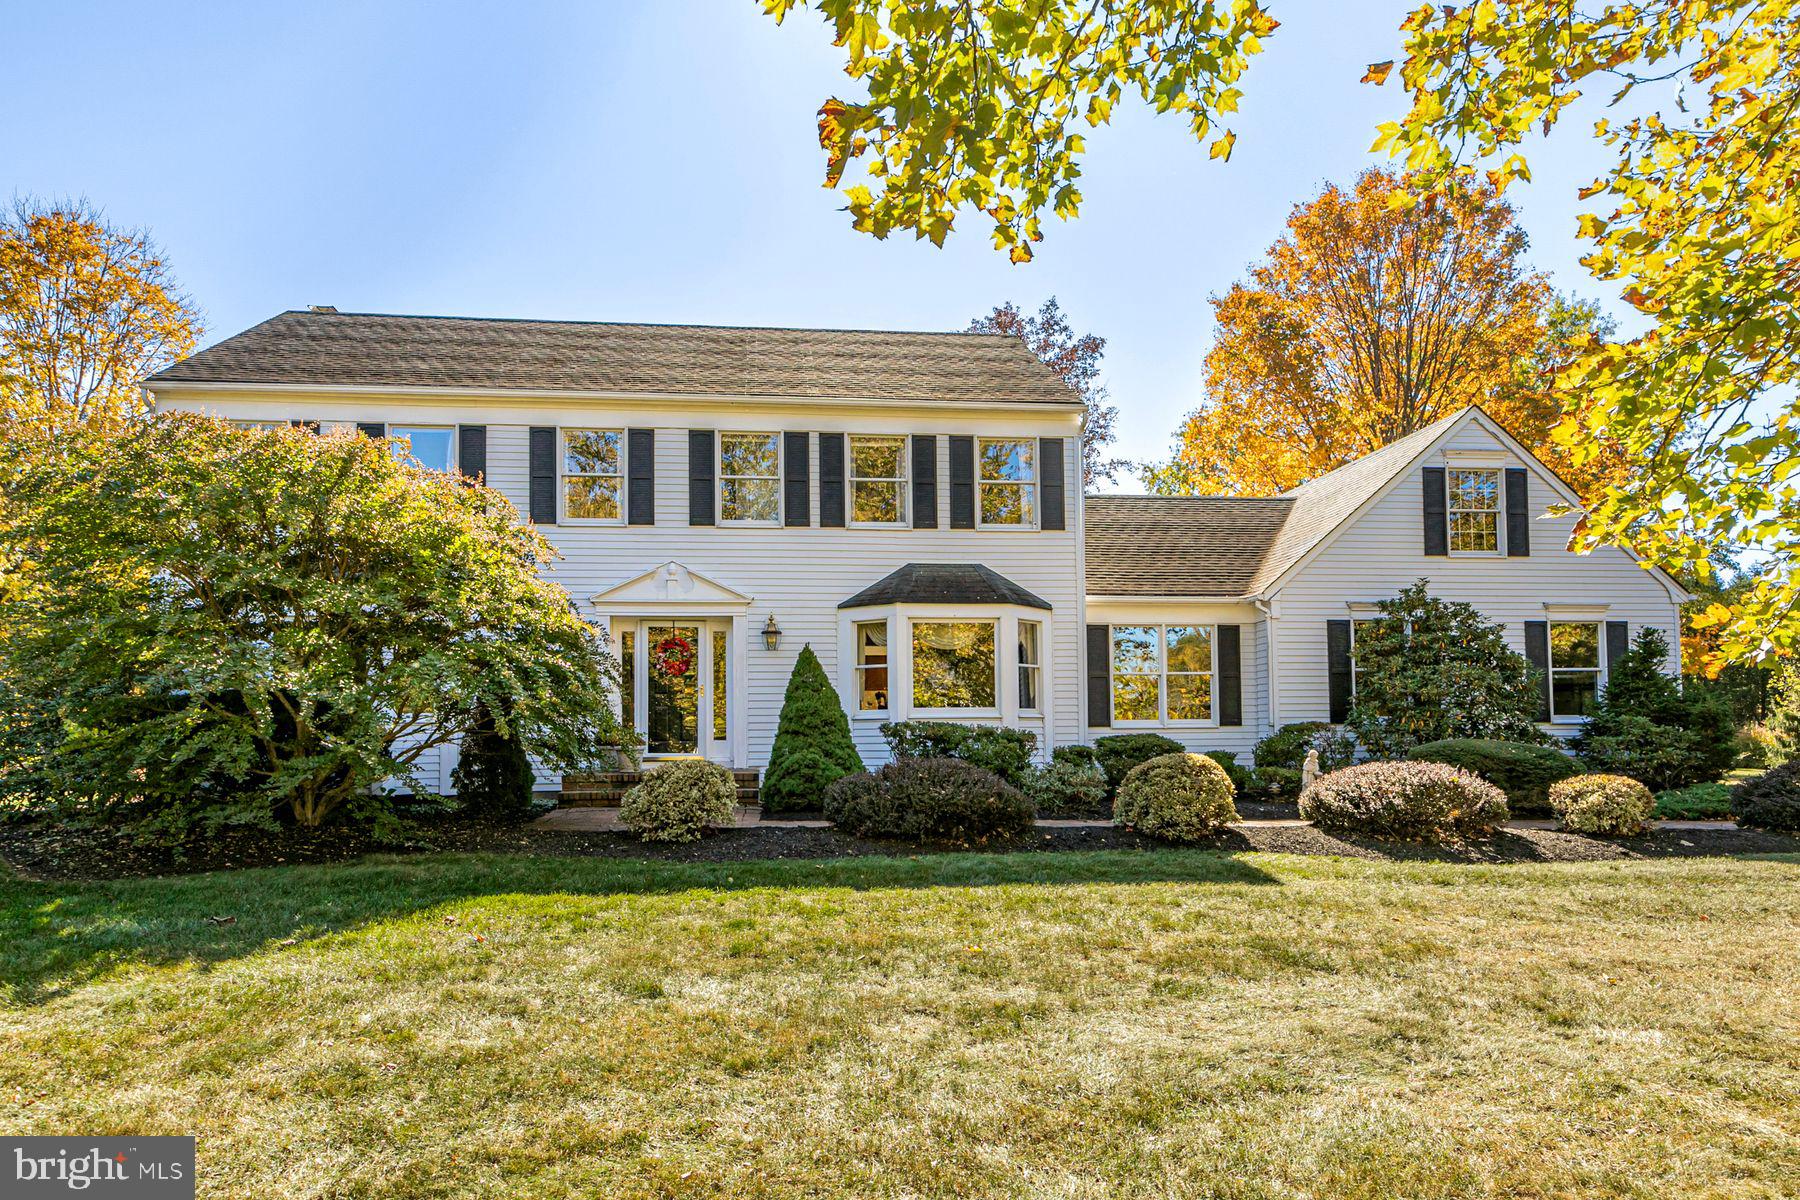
(86, 311)
(977, 103)
(1695, 220)
(1077, 360)
(1364, 323)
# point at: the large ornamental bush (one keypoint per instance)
(813, 748)
(1524, 772)
(929, 800)
(493, 776)
(1288, 746)
(1119, 753)
(1181, 797)
(680, 800)
(1405, 801)
(1610, 805)
(1648, 725)
(1770, 801)
(1006, 752)
(1067, 787)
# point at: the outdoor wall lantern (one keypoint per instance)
(772, 633)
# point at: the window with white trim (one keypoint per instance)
(1031, 665)
(954, 666)
(872, 666)
(877, 480)
(430, 446)
(1006, 482)
(1574, 669)
(750, 478)
(260, 426)
(1162, 673)
(593, 474)
(1474, 509)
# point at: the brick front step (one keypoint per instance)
(605, 789)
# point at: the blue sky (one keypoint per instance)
(658, 162)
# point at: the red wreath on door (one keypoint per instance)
(673, 656)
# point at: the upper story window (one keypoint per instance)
(262, 426)
(1574, 669)
(593, 474)
(877, 480)
(750, 478)
(1162, 673)
(871, 666)
(1006, 482)
(1031, 665)
(430, 446)
(1474, 510)
(953, 666)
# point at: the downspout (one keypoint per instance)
(1270, 609)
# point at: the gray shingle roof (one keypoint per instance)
(1179, 545)
(944, 583)
(351, 349)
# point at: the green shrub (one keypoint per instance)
(493, 776)
(813, 747)
(1181, 797)
(1121, 752)
(1275, 783)
(1770, 801)
(679, 800)
(1077, 755)
(1649, 726)
(1287, 747)
(1611, 805)
(1524, 772)
(1701, 802)
(929, 799)
(1759, 747)
(1005, 752)
(1239, 776)
(1408, 801)
(1067, 788)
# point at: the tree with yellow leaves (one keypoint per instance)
(86, 311)
(1368, 321)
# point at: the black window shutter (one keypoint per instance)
(542, 467)
(1518, 513)
(471, 451)
(700, 476)
(924, 481)
(1618, 641)
(1437, 517)
(640, 477)
(1230, 669)
(962, 481)
(831, 480)
(303, 423)
(1099, 673)
(1337, 669)
(1050, 484)
(1537, 650)
(374, 429)
(796, 469)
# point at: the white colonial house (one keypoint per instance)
(910, 505)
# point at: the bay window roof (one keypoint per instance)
(944, 583)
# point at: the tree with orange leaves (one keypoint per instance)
(1366, 322)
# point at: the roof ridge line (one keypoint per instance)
(949, 333)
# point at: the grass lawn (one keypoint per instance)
(1094, 1025)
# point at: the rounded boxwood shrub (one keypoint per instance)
(1004, 751)
(679, 800)
(1067, 788)
(1180, 797)
(1406, 801)
(1121, 752)
(928, 799)
(1287, 747)
(1770, 801)
(1605, 804)
(1523, 771)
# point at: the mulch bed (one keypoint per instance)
(45, 850)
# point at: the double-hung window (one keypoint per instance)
(1474, 510)
(1574, 668)
(871, 666)
(430, 446)
(593, 474)
(953, 665)
(1162, 673)
(877, 480)
(1006, 482)
(750, 478)
(1031, 665)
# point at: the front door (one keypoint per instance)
(676, 671)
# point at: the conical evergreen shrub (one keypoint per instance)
(813, 747)
(493, 777)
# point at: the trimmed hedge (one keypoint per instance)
(1121, 752)
(679, 801)
(1181, 797)
(1005, 752)
(928, 799)
(1406, 801)
(1067, 788)
(1770, 801)
(1611, 805)
(1523, 771)
(1702, 802)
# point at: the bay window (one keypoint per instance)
(1162, 673)
(872, 666)
(953, 665)
(1031, 665)
(1006, 482)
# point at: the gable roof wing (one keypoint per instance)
(377, 350)
(1179, 545)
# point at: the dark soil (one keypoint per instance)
(52, 851)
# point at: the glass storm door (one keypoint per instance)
(673, 687)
